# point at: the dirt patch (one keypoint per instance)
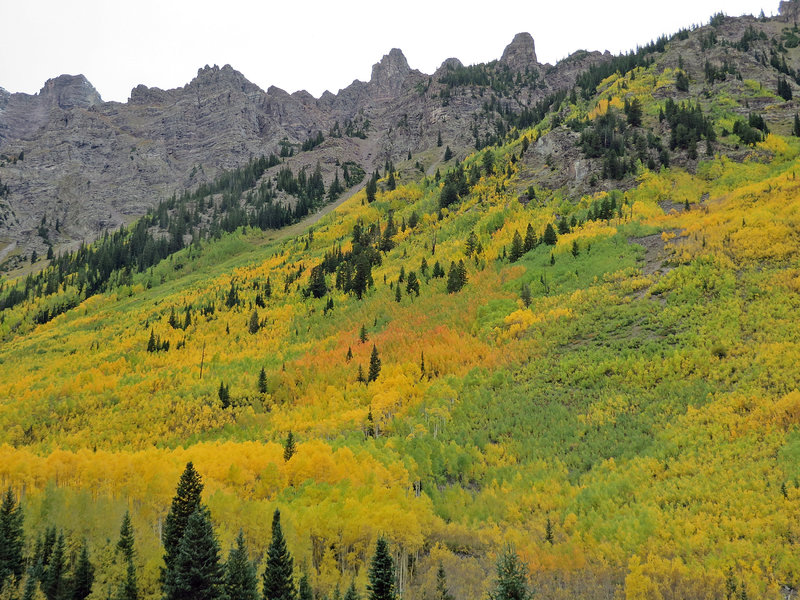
(656, 255)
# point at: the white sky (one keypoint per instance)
(309, 44)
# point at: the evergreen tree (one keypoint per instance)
(289, 447)
(512, 578)
(525, 295)
(575, 249)
(262, 381)
(412, 285)
(550, 238)
(391, 182)
(548, 531)
(151, 343)
(351, 593)
(126, 538)
(197, 573)
(796, 126)
(268, 288)
(240, 575)
(317, 284)
(83, 576)
(448, 154)
(349, 356)
(224, 395)
(372, 189)
(184, 504)
(374, 364)
(517, 248)
(439, 140)
(278, 582)
(381, 573)
(12, 539)
(129, 590)
(362, 334)
(360, 376)
(31, 587)
(304, 589)
(253, 325)
(54, 583)
(442, 593)
(530, 239)
(397, 294)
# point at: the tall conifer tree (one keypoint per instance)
(278, 581)
(184, 504)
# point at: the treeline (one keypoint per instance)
(498, 77)
(194, 566)
(229, 202)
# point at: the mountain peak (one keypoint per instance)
(392, 70)
(520, 53)
(70, 91)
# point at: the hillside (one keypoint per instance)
(576, 339)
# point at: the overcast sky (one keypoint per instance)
(308, 44)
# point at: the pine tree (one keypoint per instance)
(381, 573)
(371, 189)
(362, 334)
(184, 504)
(412, 285)
(448, 154)
(548, 531)
(262, 381)
(575, 249)
(512, 578)
(268, 288)
(126, 538)
(12, 539)
(530, 239)
(525, 295)
(253, 326)
(360, 376)
(517, 248)
(374, 365)
(349, 356)
(391, 183)
(304, 589)
(439, 140)
(796, 126)
(289, 447)
(240, 575)
(550, 238)
(151, 343)
(397, 294)
(129, 589)
(54, 583)
(197, 572)
(31, 587)
(83, 576)
(370, 423)
(442, 593)
(278, 581)
(351, 593)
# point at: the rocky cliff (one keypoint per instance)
(76, 166)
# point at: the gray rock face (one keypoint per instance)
(91, 165)
(520, 53)
(789, 10)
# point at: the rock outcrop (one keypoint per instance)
(90, 166)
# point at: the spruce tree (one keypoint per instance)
(360, 376)
(12, 539)
(374, 364)
(351, 593)
(31, 587)
(550, 238)
(512, 578)
(442, 593)
(278, 581)
(530, 239)
(83, 576)
(381, 573)
(197, 573)
(412, 285)
(289, 447)
(240, 574)
(391, 183)
(54, 583)
(362, 334)
(796, 126)
(262, 381)
(517, 248)
(304, 589)
(126, 538)
(525, 295)
(253, 325)
(397, 294)
(129, 589)
(184, 504)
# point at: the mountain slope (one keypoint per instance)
(614, 392)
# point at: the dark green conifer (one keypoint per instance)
(397, 294)
(530, 239)
(304, 589)
(442, 593)
(126, 537)
(12, 539)
(374, 364)
(289, 447)
(381, 573)
(253, 325)
(550, 238)
(240, 575)
(412, 284)
(197, 572)
(517, 248)
(54, 582)
(262, 381)
(83, 576)
(129, 590)
(512, 578)
(278, 576)
(184, 504)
